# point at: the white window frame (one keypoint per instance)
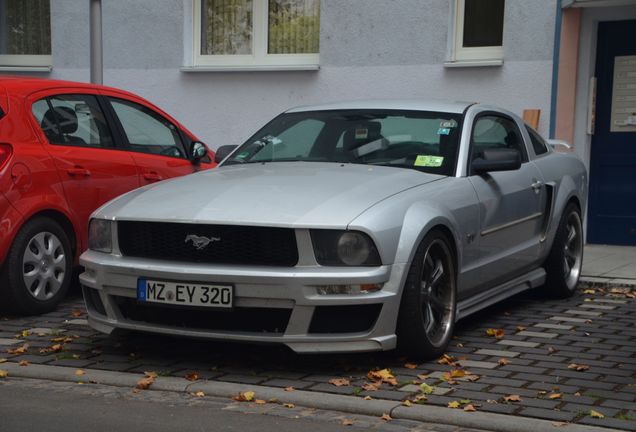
(25, 60)
(259, 59)
(469, 54)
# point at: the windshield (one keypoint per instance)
(422, 140)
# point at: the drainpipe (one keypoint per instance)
(555, 67)
(97, 63)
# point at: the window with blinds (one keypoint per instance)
(25, 32)
(253, 33)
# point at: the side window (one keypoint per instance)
(147, 131)
(492, 132)
(538, 143)
(75, 120)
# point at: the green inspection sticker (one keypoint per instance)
(429, 161)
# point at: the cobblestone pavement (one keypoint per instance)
(562, 360)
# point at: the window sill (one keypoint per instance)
(473, 63)
(260, 68)
(26, 68)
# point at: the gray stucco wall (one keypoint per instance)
(369, 49)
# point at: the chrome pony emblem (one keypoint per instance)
(200, 242)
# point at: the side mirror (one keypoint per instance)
(223, 152)
(497, 160)
(198, 151)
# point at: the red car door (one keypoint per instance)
(158, 145)
(93, 170)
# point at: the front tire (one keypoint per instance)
(38, 270)
(428, 306)
(565, 261)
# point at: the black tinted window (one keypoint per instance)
(538, 143)
(495, 132)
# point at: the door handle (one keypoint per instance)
(78, 171)
(536, 186)
(152, 176)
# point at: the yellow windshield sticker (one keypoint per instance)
(429, 161)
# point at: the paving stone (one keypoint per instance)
(410, 388)
(478, 364)
(568, 319)
(540, 403)
(45, 331)
(79, 363)
(497, 353)
(607, 422)
(9, 342)
(537, 334)
(501, 408)
(77, 322)
(554, 326)
(473, 395)
(243, 379)
(593, 385)
(611, 301)
(557, 387)
(515, 343)
(523, 392)
(548, 414)
(596, 306)
(289, 375)
(583, 312)
(113, 366)
(280, 382)
(36, 359)
(503, 381)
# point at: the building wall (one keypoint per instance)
(368, 49)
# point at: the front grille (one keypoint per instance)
(231, 244)
(256, 320)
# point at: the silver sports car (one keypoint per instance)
(355, 226)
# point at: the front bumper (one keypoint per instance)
(288, 296)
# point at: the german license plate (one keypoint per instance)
(185, 293)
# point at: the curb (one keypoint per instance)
(602, 282)
(349, 404)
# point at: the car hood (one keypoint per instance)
(288, 194)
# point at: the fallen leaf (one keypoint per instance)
(23, 363)
(3, 360)
(339, 382)
(380, 375)
(52, 348)
(589, 291)
(422, 376)
(192, 376)
(577, 394)
(420, 398)
(58, 339)
(371, 386)
(492, 401)
(368, 398)
(77, 313)
(446, 360)
(3, 373)
(19, 350)
(289, 405)
(260, 401)
(407, 403)
(79, 372)
(520, 328)
(554, 396)
(578, 367)
(512, 398)
(455, 373)
(199, 394)
(25, 333)
(144, 383)
(472, 377)
(596, 414)
(410, 365)
(453, 404)
(470, 408)
(247, 396)
(426, 389)
(289, 389)
(151, 374)
(346, 422)
(503, 361)
(497, 333)
(559, 424)
(386, 417)
(552, 350)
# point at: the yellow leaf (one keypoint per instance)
(497, 333)
(386, 417)
(446, 359)
(554, 396)
(368, 398)
(420, 397)
(144, 383)
(260, 401)
(407, 403)
(199, 394)
(79, 372)
(19, 350)
(559, 424)
(3, 360)
(453, 404)
(470, 408)
(249, 395)
(512, 398)
(347, 422)
(520, 328)
(380, 375)
(589, 291)
(25, 333)
(339, 382)
(578, 367)
(3, 373)
(23, 363)
(371, 386)
(426, 389)
(503, 361)
(289, 405)
(150, 374)
(58, 339)
(596, 414)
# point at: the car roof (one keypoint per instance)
(22, 85)
(396, 104)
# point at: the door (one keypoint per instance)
(78, 138)
(612, 201)
(155, 143)
(511, 204)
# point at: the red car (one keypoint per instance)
(66, 148)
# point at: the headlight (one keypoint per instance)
(100, 237)
(344, 248)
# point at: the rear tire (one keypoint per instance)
(565, 261)
(428, 306)
(38, 270)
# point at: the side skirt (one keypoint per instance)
(496, 294)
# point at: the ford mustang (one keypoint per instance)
(356, 226)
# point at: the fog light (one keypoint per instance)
(347, 289)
